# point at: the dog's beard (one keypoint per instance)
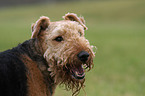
(64, 67)
(63, 77)
(62, 71)
(71, 83)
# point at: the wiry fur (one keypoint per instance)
(46, 62)
(62, 56)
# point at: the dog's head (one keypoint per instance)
(66, 50)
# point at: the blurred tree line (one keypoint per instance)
(20, 2)
(5, 3)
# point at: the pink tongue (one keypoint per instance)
(78, 69)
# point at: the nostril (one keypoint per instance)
(83, 56)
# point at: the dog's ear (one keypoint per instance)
(39, 26)
(74, 17)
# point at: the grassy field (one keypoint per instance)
(117, 28)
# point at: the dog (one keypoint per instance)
(57, 54)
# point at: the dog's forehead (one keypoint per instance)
(66, 26)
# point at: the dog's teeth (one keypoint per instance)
(76, 73)
(84, 66)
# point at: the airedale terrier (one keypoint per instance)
(57, 53)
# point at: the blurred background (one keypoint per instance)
(116, 27)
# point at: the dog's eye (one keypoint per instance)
(58, 39)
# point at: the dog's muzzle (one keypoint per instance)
(78, 72)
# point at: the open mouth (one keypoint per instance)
(78, 72)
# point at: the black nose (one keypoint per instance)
(83, 56)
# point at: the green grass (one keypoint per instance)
(117, 28)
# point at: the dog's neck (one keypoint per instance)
(31, 49)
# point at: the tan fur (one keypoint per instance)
(41, 24)
(74, 17)
(36, 84)
(61, 54)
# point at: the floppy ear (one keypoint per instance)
(39, 26)
(74, 17)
